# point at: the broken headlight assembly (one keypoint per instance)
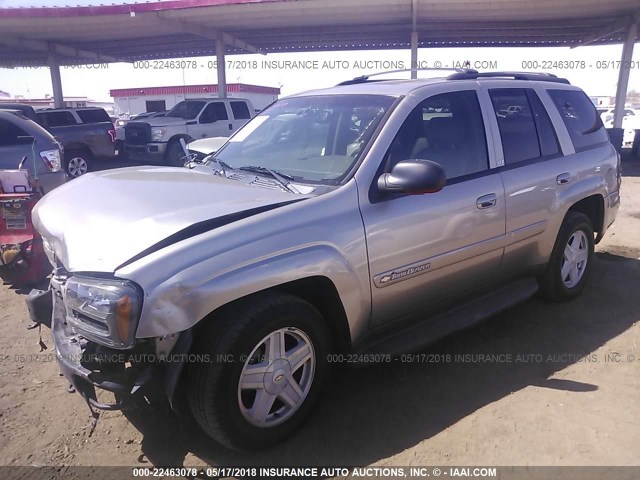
(105, 311)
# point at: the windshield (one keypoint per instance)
(187, 109)
(311, 139)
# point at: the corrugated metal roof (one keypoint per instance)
(173, 29)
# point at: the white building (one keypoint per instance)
(133, 101)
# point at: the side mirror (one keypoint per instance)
(25, 140)
(413, 177)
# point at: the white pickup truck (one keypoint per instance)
(158, 139)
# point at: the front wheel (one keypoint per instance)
(571, 259)
(174, 155)
(266, 366)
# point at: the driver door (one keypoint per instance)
(426, 251)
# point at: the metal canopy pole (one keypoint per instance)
(221, 67)
(623, 74)
(56, 80)
(414, 54)
(414, 39)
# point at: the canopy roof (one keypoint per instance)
(172, 29)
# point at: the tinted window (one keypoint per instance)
(580, 117)
(187, 109)
(214, 111)
(546, 133)
(56, 119)
(240, 110)
(9, 134)
(96, 115)
(516, 124)
(446, 129)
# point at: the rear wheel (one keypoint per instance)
(268, 363)
(78, 162)
(571, 259)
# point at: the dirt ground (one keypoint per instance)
(569, 396)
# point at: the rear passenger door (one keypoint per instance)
(532, 172)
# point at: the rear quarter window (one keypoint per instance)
(580, 117)
(93, 116)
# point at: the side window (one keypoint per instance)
(95, 115)
(240, 111)
(57, 119)
(580, 117)
(213, 112)
(447, 129)
(546, 132)
(516, 124)
(9, 134)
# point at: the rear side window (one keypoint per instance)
(516, 124)
(93, 116)
(9, 134)
(56, 119)
(240, 111)
(580, 117)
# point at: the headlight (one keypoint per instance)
(52, 159)
(157, 133)
(104, 310)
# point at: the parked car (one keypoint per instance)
(25, 110)
(158, 139)
(607, 116)
(30, 166)
(122, 122)
(20, 137)
(87, 134)
(345, 224)
(204, 147)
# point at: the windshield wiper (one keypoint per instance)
(281, 178)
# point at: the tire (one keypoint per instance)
(77, 162)
(241, 335)
(565, 277)
(174, 154)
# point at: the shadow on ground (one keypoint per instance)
(369, 414)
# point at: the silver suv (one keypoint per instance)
(339, 225)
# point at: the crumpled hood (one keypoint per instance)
(99, 221)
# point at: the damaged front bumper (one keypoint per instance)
(89, 366)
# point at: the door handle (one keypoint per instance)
(487, 201)
(563, 178)
(230, 126)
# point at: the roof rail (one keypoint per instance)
(365, 78)
(540, 76)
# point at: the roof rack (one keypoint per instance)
(540, 76)
(365, 78)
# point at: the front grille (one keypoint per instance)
(137, 133)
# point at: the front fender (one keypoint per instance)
(186, 298)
